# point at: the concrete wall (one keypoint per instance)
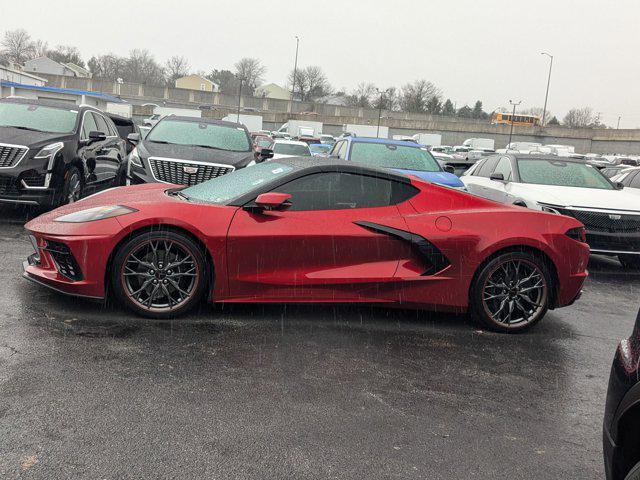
(275, 112)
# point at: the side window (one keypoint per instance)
(340, 191)
(487, 167)
(503, 167)
(336, 148)
(343, 150)
(101, 123)
(635, 181)
(88, 125)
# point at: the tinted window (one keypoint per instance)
(291, 149)
(393, 156)
(487, 167)
(46, 119)
(558, 172)
(102, 124)
(339, 191)
(88, 125)
(221, 137)
(504, 167)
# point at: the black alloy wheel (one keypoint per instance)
(160, 274)
(511, 292)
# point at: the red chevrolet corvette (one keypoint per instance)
(302, 230)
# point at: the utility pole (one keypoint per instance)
(295, 70)
(239, 98)
(381, 92)
(546, 97)
(619, 117)
(513, 115)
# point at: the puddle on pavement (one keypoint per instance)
(93, 329)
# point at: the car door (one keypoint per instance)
(107, 153)
(477, 181)
(88, 151)
(498, 190)
(319, 249)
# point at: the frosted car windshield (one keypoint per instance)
(291, 149)
(37, 117)
(220, 190)
(206, 135)
(393, 156)
(558, 172)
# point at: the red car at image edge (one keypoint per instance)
(301, 230)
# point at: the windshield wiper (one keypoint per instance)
(178, 193)
(209, 146)
(162, 141)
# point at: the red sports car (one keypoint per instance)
(301, 230)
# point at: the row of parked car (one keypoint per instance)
(52, 154)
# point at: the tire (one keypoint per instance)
(630, 262)
(511, 292)
(634, 474)
(72, 187)
(146, 284)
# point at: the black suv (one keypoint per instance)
(52, 153)
(621, 433)
(188, 151)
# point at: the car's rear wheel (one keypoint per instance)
(634, 474)
(630, 262)
(511, 292)
(160, 274)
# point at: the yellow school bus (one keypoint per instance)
(517, 119)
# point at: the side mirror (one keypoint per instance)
(449, 169)
(270, 201)
(499, 177)
(265, 154)
(94, 136)
(134, 138)
(619, 185)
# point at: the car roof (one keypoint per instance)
(208, 121)
(384, 141)
(49, 103)
(289, 142)
(542, 157)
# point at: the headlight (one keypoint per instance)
(50, 150)
(96, 213)
(548, 209)
(134, 158)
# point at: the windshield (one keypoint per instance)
(394, 156)
(38, 117)
(208, 135)
(291, 149)
(264, 143)
(220, 190)
(557, 172)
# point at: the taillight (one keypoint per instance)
(579, 234)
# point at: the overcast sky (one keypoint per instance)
(471, 49)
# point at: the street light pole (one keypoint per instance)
(295, 70)
(619, 117)
(379, 113)
(513, 115)
(546, 96)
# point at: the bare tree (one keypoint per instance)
(107, 66)
(176, 67)
(40, 48)
(141, 67)
(250, 71)
(580, 118)
(17, 46)
(66, 54)
(386, 100)
(415, 96)
(363, 95)
(311, 83)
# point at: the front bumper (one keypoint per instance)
(15, 189)
(614, 243)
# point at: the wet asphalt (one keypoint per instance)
(253, 392)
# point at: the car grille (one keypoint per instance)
(605, 222)
(10, 155)
(171, 171)
(63, 258)
(8, 186)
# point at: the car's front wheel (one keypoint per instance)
(72, 187)
(511, 292)
(159, 274)
(630, 262)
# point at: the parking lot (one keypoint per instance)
(299, 391)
